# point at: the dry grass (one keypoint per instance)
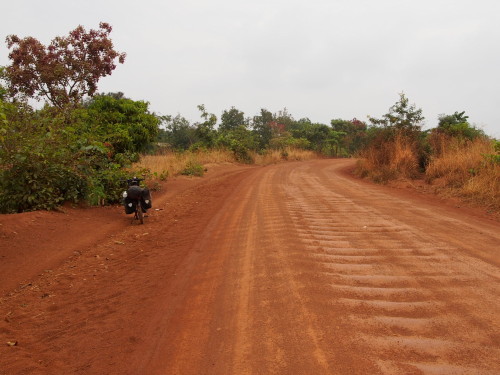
(389, 159)
(278, 156)
(465, 170)
(173, 163)
(462, 168)
(457, 160)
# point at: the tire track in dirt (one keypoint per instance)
(412, 301)
(296, 323)
(246, 319)
(105, 310)
(210, 316)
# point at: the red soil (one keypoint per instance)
(295, 268)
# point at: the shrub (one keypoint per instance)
(390, 157)
(46, 159)
(193, 169)
(124, 123)
(240, 141)
(37, 183)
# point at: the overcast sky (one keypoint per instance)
(321, 59)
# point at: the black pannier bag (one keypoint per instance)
(134, 193)
(146, 202)
(129, 205)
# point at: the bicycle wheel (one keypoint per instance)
(140, 214)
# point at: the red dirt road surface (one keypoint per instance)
(296, 268)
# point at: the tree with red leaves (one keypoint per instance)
(64, 71)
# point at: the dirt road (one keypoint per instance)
(295, 268)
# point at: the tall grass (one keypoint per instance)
(468, 169)
(287, 154)
(174, 163)
(390, 158)
(458, 167)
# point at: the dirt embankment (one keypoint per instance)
(295, 268)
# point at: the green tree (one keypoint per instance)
(285, 118)
(354, 134)
(205, 130)
(3, 116)
(126, 124)
(261, 126)
(402, 116)
(458, 126)
(3, 121)
(333, 142)
(178, 132)
(316, 134)
(240, 141)
(232, 119)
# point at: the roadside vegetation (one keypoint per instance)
(455, 157)
(161, 165)
(82, 144)
(469, 169)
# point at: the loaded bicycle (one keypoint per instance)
(136, 199)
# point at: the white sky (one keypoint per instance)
(321, 59)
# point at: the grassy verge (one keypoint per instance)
(389, 159)
(160, 167)
(470, 170)
(288, 154)
(174, 163)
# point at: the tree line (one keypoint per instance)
(261, 132)
(78, 146)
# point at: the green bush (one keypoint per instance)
(34, 180)
(240, 141)
(35, 184)
(193, 169)
(48, 157)
(126, 124)
(493, 159)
